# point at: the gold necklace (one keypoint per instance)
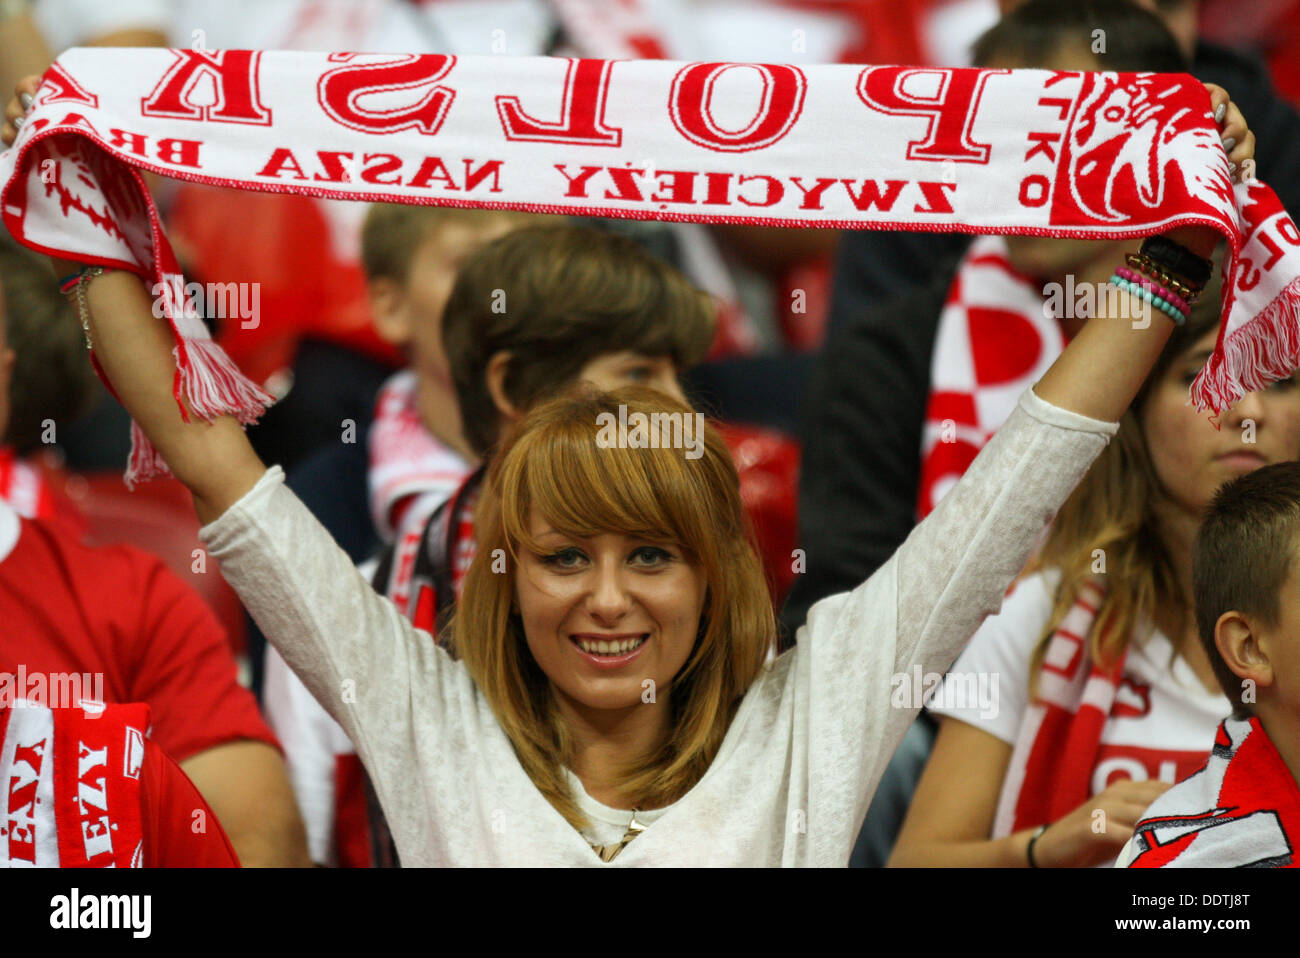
(608, 853)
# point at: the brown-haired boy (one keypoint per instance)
(1243, 808)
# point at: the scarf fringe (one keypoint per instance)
(1264, 350)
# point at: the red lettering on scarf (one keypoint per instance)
(775, 190)
(58, 85)
(627, 186)
(812, 198)
(951, 109)
(22, 800)
(388, 163)
(118, 138)
(578, 184)
(582, 110)
(1042, 143)
(680, 187)
(282, 158)
(234, 72)
(935, 200)
(339, 92)
(432, 168)
(870, 194)
(690, 104)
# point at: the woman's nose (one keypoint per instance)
(1250, 409)
(609, 599)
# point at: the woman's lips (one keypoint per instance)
(629, 646)
(1248, 461)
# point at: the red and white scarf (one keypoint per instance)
(70, 792)
(411, 473)
(1052, 762)
(24, 487)
(1082, 155)
(995, 339)
(1242, 810)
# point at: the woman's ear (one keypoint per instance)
(498, 368)
(1244, 650)
(390, 311)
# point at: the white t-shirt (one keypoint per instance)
(797, 768)
(1163, 716)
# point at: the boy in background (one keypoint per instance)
(1242, 809)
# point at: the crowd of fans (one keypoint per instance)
(415, 705)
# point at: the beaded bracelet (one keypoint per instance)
(1147, 267)
(1173, 312)
(1175, 258)
(1168, 295)
(75, 286)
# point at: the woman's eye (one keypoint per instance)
(563, 559)
(639, 374)
(1283, 384)
(651, 556)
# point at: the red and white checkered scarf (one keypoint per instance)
(1082, 155)
(995, 340)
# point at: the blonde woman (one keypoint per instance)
(1106, 696)
(611, 701)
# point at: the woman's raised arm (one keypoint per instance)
(213, 459)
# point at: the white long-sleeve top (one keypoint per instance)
(792, 780)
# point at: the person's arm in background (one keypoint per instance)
(182, 665)
(23, 50)
(949, 827)
(247, 787)
(862, 442)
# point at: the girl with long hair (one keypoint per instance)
(1105, 694)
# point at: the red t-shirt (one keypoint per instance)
(179, 828)
(133, 631)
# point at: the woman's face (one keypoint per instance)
(1191, 458)
(611, 620)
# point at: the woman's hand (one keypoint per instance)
(18, 107)
(1096, 831)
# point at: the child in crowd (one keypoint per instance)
(1242, 809)
(1109, 610)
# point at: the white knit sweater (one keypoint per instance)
(797, 769)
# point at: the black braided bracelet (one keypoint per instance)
(1178, 260)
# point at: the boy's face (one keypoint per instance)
(1282, 643)
(409, 315)
(612, 370)
(428, 286)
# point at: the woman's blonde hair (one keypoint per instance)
(554, 464)
(1107, 532)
